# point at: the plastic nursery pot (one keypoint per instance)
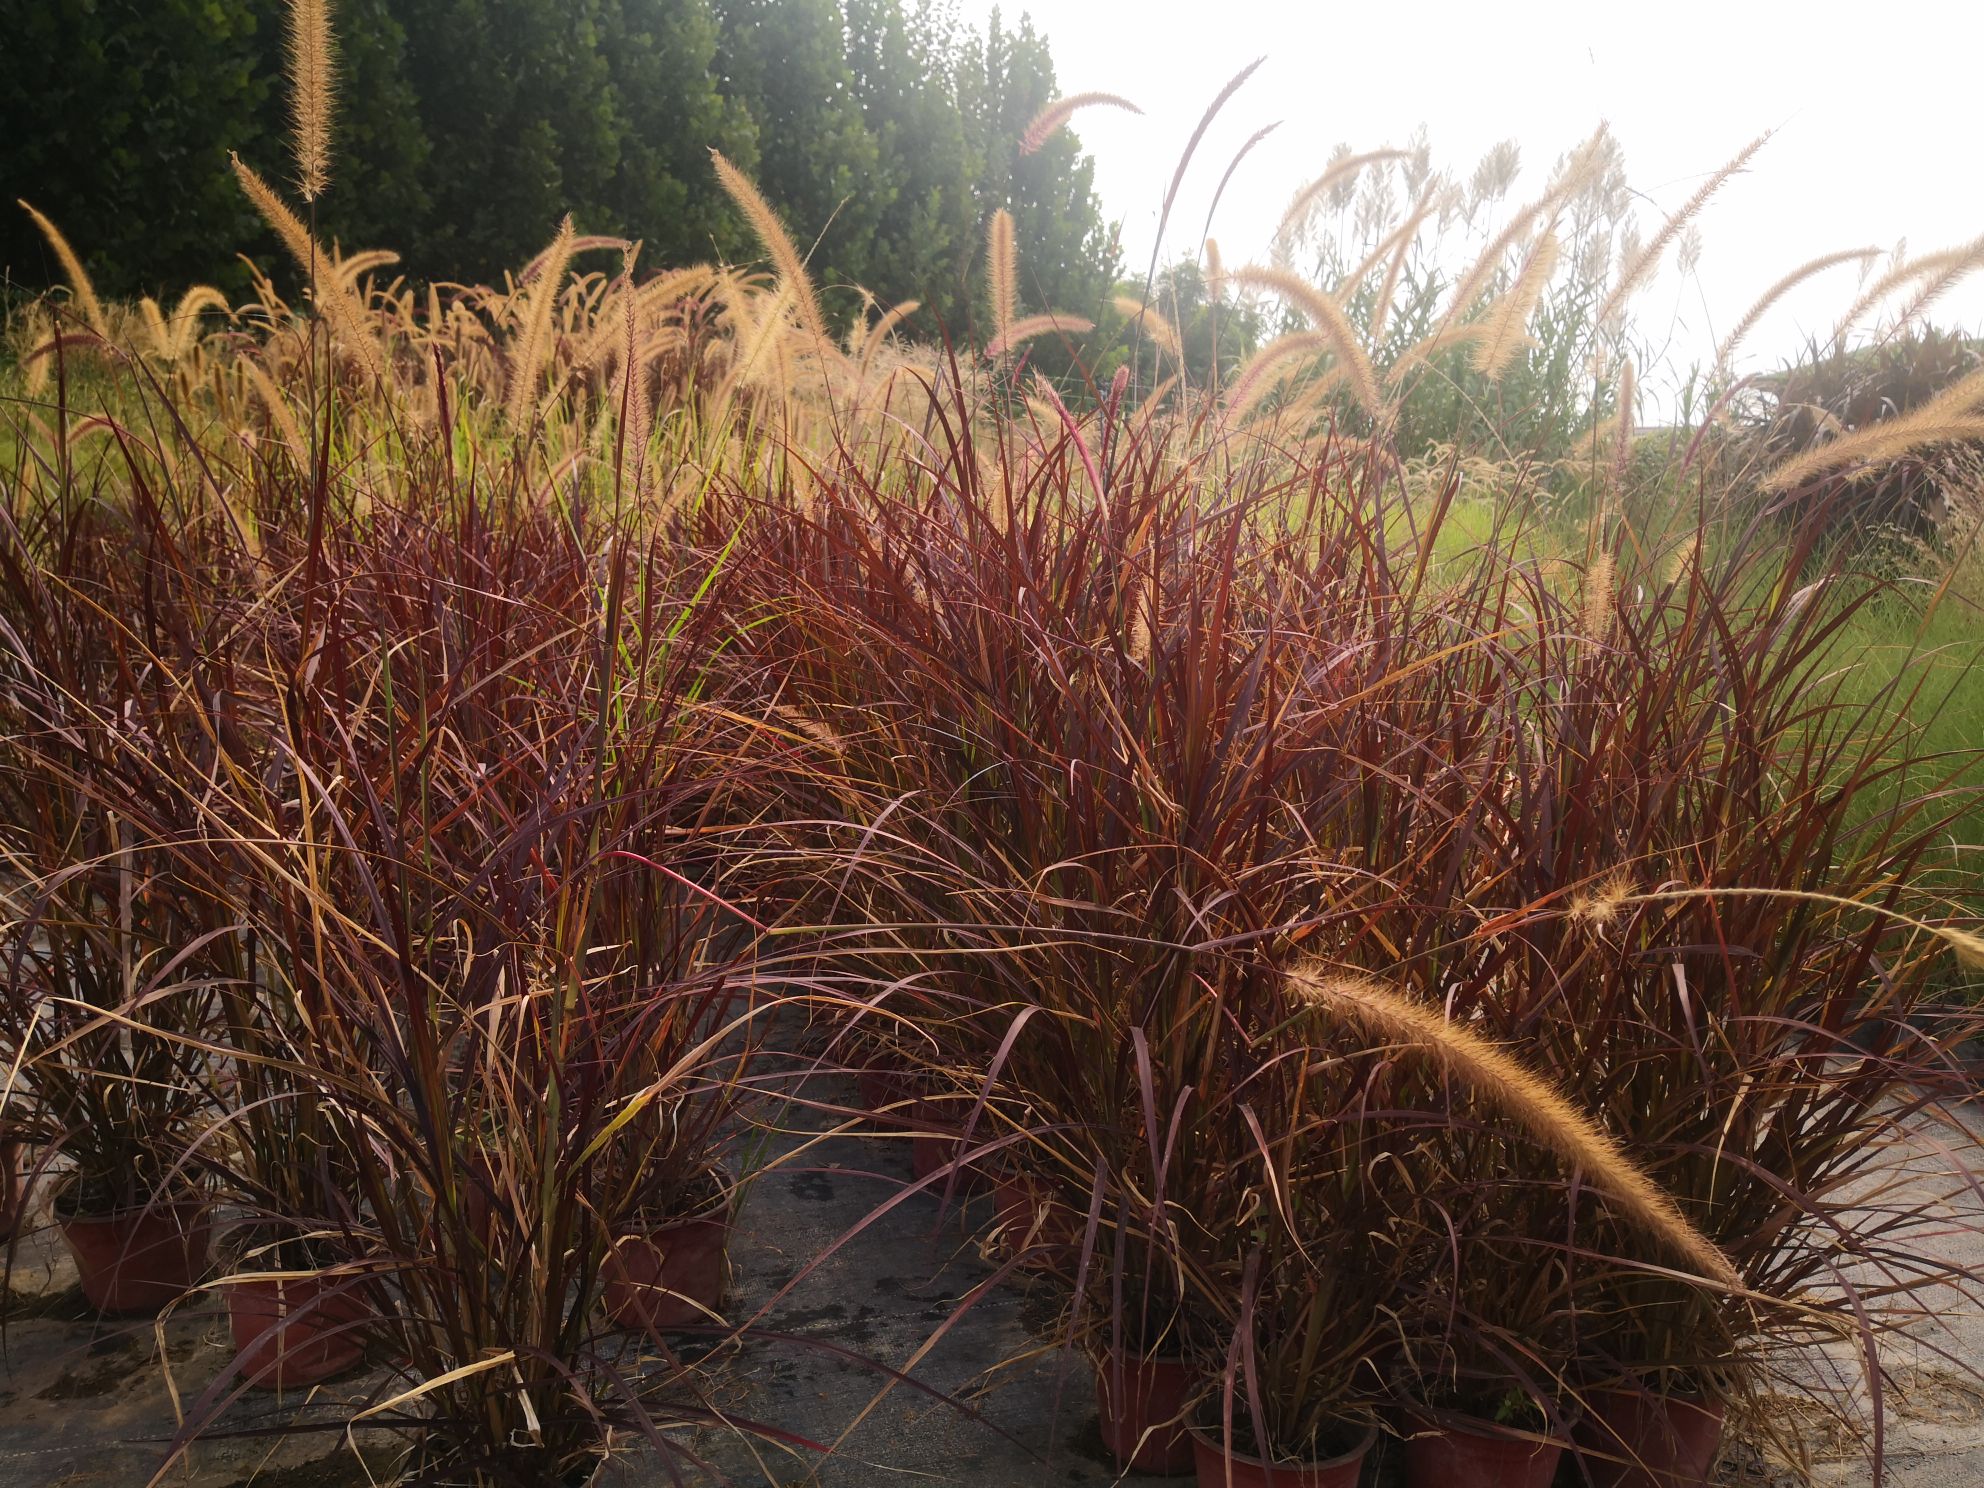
(882, 1084)
(13, 1189)
(295, 1332)
(1456, 1451)
(672, 1274)
(136, 1260)
(1221, 1469)
(1141, 1402)
(1634, 1439)
(1032, 1220)
(937, 1147)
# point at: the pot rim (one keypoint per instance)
(67, 1183)
(722, 1209)
(1430, 1420)
(1101, 1357)
(1342, 1459)
(1567, 1413)
(1696, 1400)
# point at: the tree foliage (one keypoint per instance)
(884, 131)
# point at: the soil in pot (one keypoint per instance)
(1636, 1439)
(670, 1275)
(1218, 1468)
(1142, 1404)
(1455, 1451)
(135, 1259)
(295, 1332)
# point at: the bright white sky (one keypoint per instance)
(1874, 107)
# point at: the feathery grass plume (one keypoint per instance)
(1044, 390)
(1231, 166)
(1215, 272)
(174, 336)
(762, 325)
(634, 414)
(1273, 362)
(350, 268)
(1505, 327)
(1521, 1094)
(1442, 338)
(1577, 171)
(1598, 907)
(1963, 263)
(1061, 110)
(1969, 948)
(791, 268)
(81, 291)
(1930, 266)
(1965, 395)
(1001, 274)
(36, 329)
(183, 324)
(1025, 329)
(1877, 443)
(1162, 331)
(1601, 585)
(1779, 290)
(1400, 236)
(650, 299)
(1233, 85)
(1686, 558)
(1945, 418)
(1395, 250)
(883, 328)
(312, 93)
(337, 304)
(520, 398)
(1307, 405)
(1350, 165)
(1328, 317)
(1147, 410)
(1643, 263)
(280, 415)
(1622, 437)
(583, 243)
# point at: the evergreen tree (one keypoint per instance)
(379, 156)
(906, 78)
(786, 61)
(117, 117)
(885, 133)
(1067, 252)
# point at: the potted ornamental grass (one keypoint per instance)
(681, 1053)
(110, 1089)
(1704, 935)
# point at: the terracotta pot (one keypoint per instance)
(882, 1085)
(297, 1332)
(1457, 1451)
(136, 1260)
(1029, 1216)
(1142, 1405)
(13, 1190)
(936, 1148)
(1218, 1469)
(672, 1276)
(1632, 1439)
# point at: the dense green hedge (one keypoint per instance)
(467, 127)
